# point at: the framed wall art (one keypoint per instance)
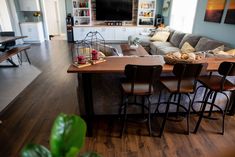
(214, 10)
(230, 16)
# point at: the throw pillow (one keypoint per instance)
(187, 48)
(167, 29)
(101, 54)
(231, 52)
(160, 36)
(218, 49)
(222, 53)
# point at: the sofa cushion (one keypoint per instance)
(176, 38)
(108, 50)
(160, 36)
(171, 33)
(205, 44)
(165, 50)
(144, 40)
(157, 44)
(191, 39)
(187, 48)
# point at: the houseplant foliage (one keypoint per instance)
(66, 140)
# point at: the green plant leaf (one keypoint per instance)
(67, 135)
(90, 154)
(35, 150)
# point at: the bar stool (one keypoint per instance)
(138, 82)
(216, 84)
(182, 83)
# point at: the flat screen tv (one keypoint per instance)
(114, 10)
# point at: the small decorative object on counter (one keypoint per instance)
(87, 52)
(135, 43)
(81, 60)
(36, 15)
(95, 55)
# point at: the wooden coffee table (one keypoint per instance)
(127, 51)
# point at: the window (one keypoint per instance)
(5, 23)
(182, 15)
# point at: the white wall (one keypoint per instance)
(220, 31)
(4, 17)
(62, 11)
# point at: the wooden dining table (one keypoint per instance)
(117, 65)
(5, 41)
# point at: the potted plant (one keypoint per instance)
(66, 140)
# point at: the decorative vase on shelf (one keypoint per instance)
(36, 16)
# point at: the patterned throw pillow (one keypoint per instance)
(160, 36)
(218, 49)
(219, 52)
(187, 48)
(231, 52)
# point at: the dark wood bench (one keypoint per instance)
(14, 51)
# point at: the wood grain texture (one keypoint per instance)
(12, 52)
(117, 64)
(30, 116)
(127, 51)
(4, 39)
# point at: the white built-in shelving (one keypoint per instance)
(146, 12)
(82, 12)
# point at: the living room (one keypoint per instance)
(50, 90)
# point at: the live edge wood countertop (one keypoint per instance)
(117, 64)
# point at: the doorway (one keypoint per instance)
(55, 18)
(52, 17)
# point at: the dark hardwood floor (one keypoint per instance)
(30, 116)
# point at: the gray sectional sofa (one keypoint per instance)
(176, 40)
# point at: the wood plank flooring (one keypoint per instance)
(30, 116)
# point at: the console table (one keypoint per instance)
(117, 65)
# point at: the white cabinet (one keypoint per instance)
(29, 5)
(33, 31)
(109, 33)
(122, 33)
(79, 33)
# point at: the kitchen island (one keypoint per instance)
(99, 86)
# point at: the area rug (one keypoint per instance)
(14, 80)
